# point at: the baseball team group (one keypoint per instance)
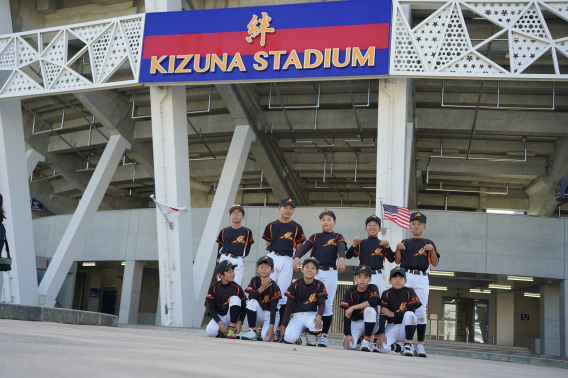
(375, 319)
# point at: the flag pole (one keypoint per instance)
(382, 216)
(171, 224)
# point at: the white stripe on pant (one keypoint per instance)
(212, 329)
(299, 322)
(397, 332)
(262, 317)
(358, 327)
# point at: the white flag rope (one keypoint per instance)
(167, 209)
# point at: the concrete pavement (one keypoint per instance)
(30, 349)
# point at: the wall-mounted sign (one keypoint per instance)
(36, 205)
(280, 42)
(95, 292)
(525, 317)
(561, 190)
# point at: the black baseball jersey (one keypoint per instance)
(306, 297)
(272, 293)
(371, 253)
(236, 241)
(354, 297)
(219, 296)
(325, 248)
(399, 301)
(414, 256)
(283, 237)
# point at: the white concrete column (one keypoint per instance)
(564, 318)
(505, 319)
(96, 281)
(21, 287)
(81, 220)
(549, 320)
(131, 285)
(224, 198)
(32, 158)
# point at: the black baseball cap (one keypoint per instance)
(225, 265)
(287, 201)
(418, 215)
(265, 259)
(373, 218)
(237, 207)
(312, 260)
(363, 269)
(328, 212)
(397, 270)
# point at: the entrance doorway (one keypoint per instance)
(465, 319)
(108, 305)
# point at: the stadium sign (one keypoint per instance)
(284, 42)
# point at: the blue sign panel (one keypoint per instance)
(561, 190)
(95, 293)
(36, 205)
(280, 42)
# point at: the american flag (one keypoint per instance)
(399, 215)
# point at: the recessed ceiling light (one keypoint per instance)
(532, 295)
(519, 278)
(441, 273)
(501, 287)
(89, 263)
(480, 291)
(442, 288)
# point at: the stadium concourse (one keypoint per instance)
(474, 137)
(60, 350)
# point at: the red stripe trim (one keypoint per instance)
(341, 37)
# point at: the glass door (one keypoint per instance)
(480, 319)
(450, 319)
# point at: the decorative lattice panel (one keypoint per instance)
(519, 26)
(111, 45)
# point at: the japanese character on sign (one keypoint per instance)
(254, 29)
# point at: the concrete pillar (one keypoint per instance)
(549, 320)
(131, 285)
(96, 281)
(564, 318)
(224, 198)
(505, 319)
(32, 158)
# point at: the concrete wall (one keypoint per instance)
(468, 242)
(527, 331)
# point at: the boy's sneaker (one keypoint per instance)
(408, 350)
(250, 335)
(365, 346)
(231, 333)
(299, 341)
(311, 340)
(322, 340)
(277, 335)
(259, 334)
(420, 352)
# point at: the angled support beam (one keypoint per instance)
(21, 287)
(81, 220)
(130, 297)
(32, 158)
(226, 193)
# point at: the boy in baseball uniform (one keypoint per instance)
(283, 237)
(235, 242)
(262, 307)
(227, 304)
(416, 255)
(360, 303)
(397, 320)
(305, 306)
(328, 247)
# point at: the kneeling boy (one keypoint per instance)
(360, 302)
(305, 306)
(262, 307)
(398, 305)
(227, 303)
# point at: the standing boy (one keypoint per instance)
(305, 306)
(262, 307)
(227, 303)
(328, 248)
(416, 255)
(398, 305)
(360, 303)
(372, 251)
(235, 242)
(283, 237)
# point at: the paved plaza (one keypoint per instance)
(32, 349)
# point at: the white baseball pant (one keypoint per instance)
(282, 273)
(238, 270)
(421, 287)
(377, 279)
(329, 279)
(212, 329)
(262, 317)
(299, 322)
(397, 332)
(358, 327)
